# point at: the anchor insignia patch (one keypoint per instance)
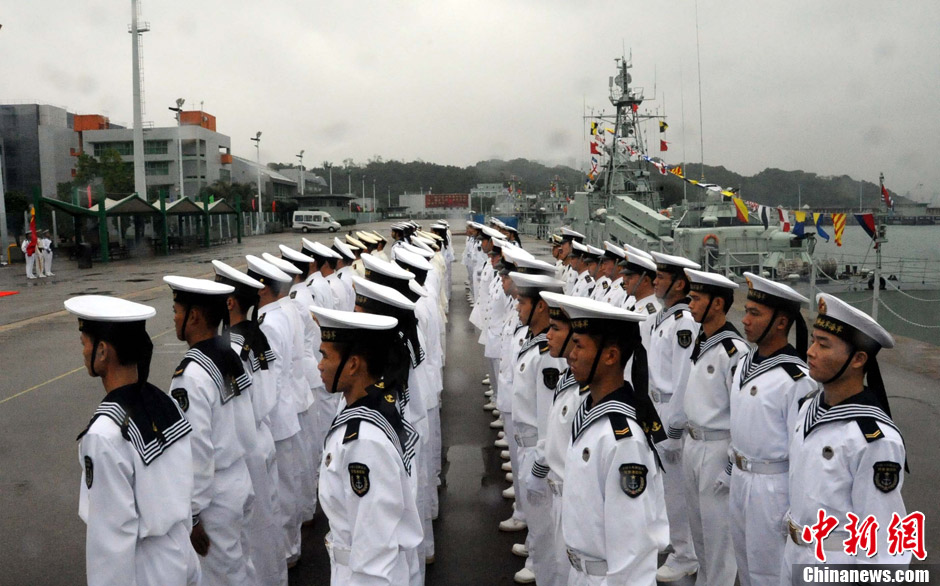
(633, 479)
(359, 478)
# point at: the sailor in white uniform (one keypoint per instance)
(847, 455)
(584, 282)
(135, 455)
(768, 383)
(206, 385)
(613, 509)
(265, 536)
(365, 489)
(324, 260)
(610, 283)
(279, 329)
(672, 333)
(45, 250)
(533, 386)
(341, 280)
(566, 401)
(568, 238)
(707, 406)
(639, 291)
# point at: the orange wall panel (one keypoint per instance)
(198, 118)
(90, 122)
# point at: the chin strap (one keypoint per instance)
(94, 354)
(565, 343)
(597, 359)
(339, 371)
(767, 329)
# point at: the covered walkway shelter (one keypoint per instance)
(112, 213)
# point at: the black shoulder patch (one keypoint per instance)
(650, 308)
(352, 431)
(182, 398)
(887, 475)
(89, 471)
(730, 348)
(550, 377)
(293, 294)
(684, 337)
(620, 425)
(261, 318)
(870, 429)
(543, 346)
(179, 369)
(606, 285)
(677, 315)
(793, 370)
(359, 478)
(633, 479)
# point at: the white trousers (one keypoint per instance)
(30, 263)
(518, 509)
(289, 491)
(703, 462)
(758, 504)
(434, 454)
(557, 575)
(677, 511)
(265, 536)
(225, 521)
(540, 539)
(309, 463)
(47, 262)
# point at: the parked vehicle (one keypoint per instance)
(314, 220)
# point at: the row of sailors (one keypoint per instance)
(742, 441)
(210, 482)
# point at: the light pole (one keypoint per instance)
(348, 180)
(373, 197)
(179, 139)
(300, 157)
(362, 193)
(257, 140)
(329, 167)
(3, 217)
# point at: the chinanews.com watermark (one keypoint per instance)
(804, 575)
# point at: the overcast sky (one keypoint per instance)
(832, 87)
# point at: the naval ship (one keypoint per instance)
(621, 203)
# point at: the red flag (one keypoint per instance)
(886, 196)
(89, 196)
(252, 204)
(635, 107)
(663, 145)
(784, 220)
(273, 206)
(594, 149)
(33, 239)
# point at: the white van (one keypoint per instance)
(313, 220)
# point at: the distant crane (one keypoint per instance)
(136, 29)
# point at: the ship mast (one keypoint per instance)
(627, 100)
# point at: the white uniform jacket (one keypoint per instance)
(583, 285)
(565, 403)
(135, 492)
(848, 458)
(275, 323)
(366, 494)
(707, 402)
(321, 291)
(672, 335)
(302, 297)
(613, 504)
(601, 288)
(615, 295)
(533, 388)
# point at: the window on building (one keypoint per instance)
(225, 175)
(157, 167)
(124, 148)
(156, 147)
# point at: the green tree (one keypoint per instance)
(117, 175)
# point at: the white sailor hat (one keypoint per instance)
(379, 237)
(430, 235)
(671, 263)
(190, 291)
(444, 223)
(529, 284)
(637, 264)
(703, 282)
(286, 266)
(529, 265)
(319, 250)
(399, 227)
(230, 276)
(428, 242)
(411, 260)
(511, 229)
(578, 249)
(488, 232)
(772, 294)
(475, 225)
(613, 252)
(590, 315)
(354, 243)
(423, 252)
(417, 289)
(107, 309)
(555, 309)
(370, 293)
(366, 238)
(265, 272)
(636, 251)
(593, 253)
(294, 256)
(386, 273)
(349, 326)
(498, 244)
(556, 239)
(440, 225)
(852, 325)
(569, 234)
(496, 222)
(418, 243)
(343, 249)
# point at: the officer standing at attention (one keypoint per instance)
(767, 385)
(707, 405)
(670, 348)
(320, 269)
(137, 467)
(365, 489)
(610, 284)
(205, 385)
(847, 455)
(614, 513)
(570, 274)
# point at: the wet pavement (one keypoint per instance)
(46, 399)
